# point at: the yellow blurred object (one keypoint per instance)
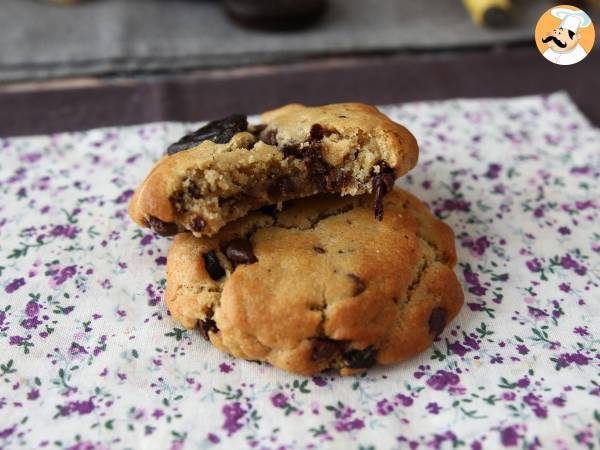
(490, 13)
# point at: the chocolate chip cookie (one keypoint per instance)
(227, 168)
(319, 284)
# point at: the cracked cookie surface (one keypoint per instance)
(319, 284)
(227, 168)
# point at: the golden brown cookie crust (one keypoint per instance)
(299, 152)
(332, 287)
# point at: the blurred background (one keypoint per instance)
(71, 65)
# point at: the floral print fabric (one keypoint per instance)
(90, 358)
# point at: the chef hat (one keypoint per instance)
(570, 19)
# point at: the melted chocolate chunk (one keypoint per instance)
(219, 131)
(360, 359)
(383, 182)
(319, 249)
(283, 185)
(359, 285)
(318, 172)
(162, 228)
(316, 132)
(239, 251)
(198, 223)
(270, 137)
(437, 321)
(324, 348)
(207, 325)
(213, 266)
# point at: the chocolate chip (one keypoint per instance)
(437, 321)
(324, 348)
(283, 185)
(207, 325)
(318, 172)
(239, 251)
(382, 184)
(292, 150)
(316, 132)
(319, 249)
(213, 266)
(219, 131)
(269, 210)
(194, 191)
(198, 223)
(270, 137)
(162, 228)
(360, 359)
(359, 285)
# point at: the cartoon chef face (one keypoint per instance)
(561, 39)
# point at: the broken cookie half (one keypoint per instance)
(227, 168)
(320, 284)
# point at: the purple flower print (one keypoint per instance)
(566, 359)
(213, 438)
(32, 322)
(32, 309)
(14, 285)
(225, 368)
(493, 171)
(564, 231)
(509, 437)
(565, 287)
(354, 424)
(534, 265)
(60, 275)
(477, 246)
(472, 280)
(509, 396)
(404, 400)
(319, 381)
(233, 413)
(442, 379)
(125, 196)
(7, 432)
(534, 402)
(567, 262)
(458, 349)
(67, 231)
(522, 349)
(279, 400)
(34, 394)
(536, 313)
(433, 408)
(384, 407)
(81, 407)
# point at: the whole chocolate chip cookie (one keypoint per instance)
(319, 284)
(227, 168)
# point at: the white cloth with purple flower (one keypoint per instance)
(90, 359)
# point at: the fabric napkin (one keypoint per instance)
(90, 358)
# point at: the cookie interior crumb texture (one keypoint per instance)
(227, 168)
(319, 284)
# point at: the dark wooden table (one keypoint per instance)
(86, 103)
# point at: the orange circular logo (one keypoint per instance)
(564, 35)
